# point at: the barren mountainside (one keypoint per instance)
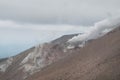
(97, 59)
(33, 60)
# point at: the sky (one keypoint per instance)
(25, 23)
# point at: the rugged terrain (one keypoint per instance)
(98, 60)
(33, 60)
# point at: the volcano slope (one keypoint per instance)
(98, 60)
(25, 64)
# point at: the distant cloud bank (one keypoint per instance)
(16, 37)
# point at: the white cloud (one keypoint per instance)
(45, 27)
(12, 32)
(58, 11)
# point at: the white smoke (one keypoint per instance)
(98, 30)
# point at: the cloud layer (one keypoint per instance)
(84, 12)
